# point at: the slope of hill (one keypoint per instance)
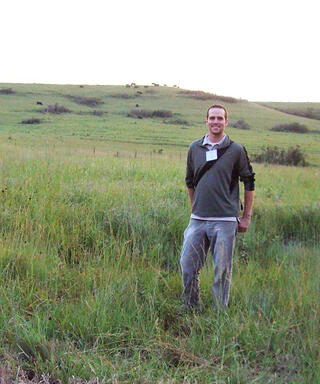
(309, 110)
(114, 117)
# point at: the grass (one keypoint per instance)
(91, 231)
(116, 130)
(308, 110)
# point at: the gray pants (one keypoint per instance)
(199, 236)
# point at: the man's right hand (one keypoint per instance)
(244, 223)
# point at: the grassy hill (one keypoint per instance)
(92, 212)
(309, 110)
(98, 118)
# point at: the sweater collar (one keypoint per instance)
(223, 143)
(207, 141)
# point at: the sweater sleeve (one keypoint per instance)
(190, 170)
(245, 171)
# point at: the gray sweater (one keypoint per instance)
(217, 192)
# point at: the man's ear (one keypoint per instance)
(227, 121)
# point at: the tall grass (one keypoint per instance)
(90, 276)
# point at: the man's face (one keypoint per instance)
(216, 122)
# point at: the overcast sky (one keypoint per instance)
(257, 50)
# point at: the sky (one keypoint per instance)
(255, 50)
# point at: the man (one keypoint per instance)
(214, 165)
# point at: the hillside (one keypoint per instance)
(98, 118)
(93, 208)
(309, 110)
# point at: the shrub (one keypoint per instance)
(150, 91)
(31, 121)
(56, 109)
(88, 101)
(97, 113)
(275, 155)
(200, 95)
(162, 113)
(122, 96)
(291, 127)
(140, 113)
(179, 122)
(240, 124)
(7, 91)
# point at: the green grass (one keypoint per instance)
(115, 129)
(91, 231)
(310, 110)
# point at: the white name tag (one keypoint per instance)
(212, 155)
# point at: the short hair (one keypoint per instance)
(218, 106)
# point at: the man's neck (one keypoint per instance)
(215, 139)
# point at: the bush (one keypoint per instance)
(200, 95)
(240, 124)
(88, 101)
(291, 127)
(140, 113)
(56, 109)
(275, 155)
(7, 91)
(97, 113)
(31, 121)
(179, 122)
(122, 96)
(162, 113)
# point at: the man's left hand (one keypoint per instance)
(243, 224)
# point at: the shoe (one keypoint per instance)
(188, 308)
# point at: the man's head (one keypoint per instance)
(217, 120)
(218, 106)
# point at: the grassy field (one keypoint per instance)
(114, 130)
(93, 210)
(311, 110)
